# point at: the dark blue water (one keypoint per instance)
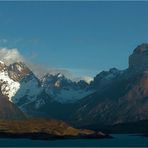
(119, 140)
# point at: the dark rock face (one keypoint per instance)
(104, 78)
(140, 126)
(125, 101)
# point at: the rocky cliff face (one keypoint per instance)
(126, 98)
(105, 78)
(124, 101)
(17, 71)
(139, 58)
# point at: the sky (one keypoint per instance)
(82, 37)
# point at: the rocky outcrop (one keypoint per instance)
(2, 66)
(17, 71)
(139, 58)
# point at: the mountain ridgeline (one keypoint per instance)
(113, 97)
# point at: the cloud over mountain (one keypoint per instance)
(13, 55)
(10, 56)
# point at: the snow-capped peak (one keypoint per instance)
(1, 62)
(63, 89)
(8, 86)
(59, 75)
(19, 83)
(2, 66)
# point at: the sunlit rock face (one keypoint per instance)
(17, 71)
(139, 58)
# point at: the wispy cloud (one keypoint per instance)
(10, 55)
(87, 79)
(3, 41)
(13, 42)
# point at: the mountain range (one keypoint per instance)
(113, 97)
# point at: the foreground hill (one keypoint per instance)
(13, 123)
(44, 129)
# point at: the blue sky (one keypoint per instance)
(83, 37)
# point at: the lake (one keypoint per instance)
(119, 140)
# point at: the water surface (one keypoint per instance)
(119, 140)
